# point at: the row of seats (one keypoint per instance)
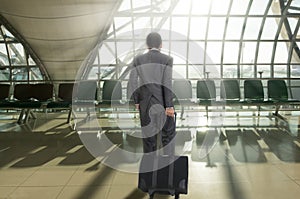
(230, 91)
(36, 96)
(33, 95)
(30, 96)
(230, 94)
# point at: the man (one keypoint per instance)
(151, 84)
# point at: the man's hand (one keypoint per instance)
(170, 111)
(137, 106)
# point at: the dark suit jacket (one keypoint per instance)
(151, 79)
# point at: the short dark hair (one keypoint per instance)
(153, 40)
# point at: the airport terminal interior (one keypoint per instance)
(68, 126)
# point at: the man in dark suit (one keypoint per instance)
(151, 84)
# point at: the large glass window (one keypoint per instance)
(229, 38)
(16, 64)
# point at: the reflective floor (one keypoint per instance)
(233, 155)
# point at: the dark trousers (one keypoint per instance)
(156, 125)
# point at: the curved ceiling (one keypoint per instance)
(61, 33)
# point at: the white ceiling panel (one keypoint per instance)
(61, 33)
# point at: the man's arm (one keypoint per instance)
(167, 87)
(133, 84)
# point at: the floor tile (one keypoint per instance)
(126, 192)
(35, 192)
(100, 176)
(290, 169)
(14, 177)
(49, 177)
(78, 192)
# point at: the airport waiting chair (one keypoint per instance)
(85, 92)
(206, 93)
(42, 92)
(182, 90)
(31, 96)
(253, 91)
(230, 91)
(277, 90)
(278, 94)
(64, 98)
(84, 98)
(4, 95)
(111, 93)
(4, 91)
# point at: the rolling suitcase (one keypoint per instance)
(164, 175)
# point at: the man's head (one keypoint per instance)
(154, 40)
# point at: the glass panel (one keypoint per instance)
(295, 57)
(220, 7)
(17, 54)
(247, 71)
(124, 48)
(265, 69)
(142, 23)
(213, 70)
(200, 7)
(35, 74)
(4, 74)
(166, 26)
(19, 74)
(180, 49)
(9, 36)
(31, 61)
(270, 28)
(258, 7)
(231, 52)
(280, 71)
(234, 28)
(252, 28)
(248, 52)
(196, 52)
(214, 51)
(107, 53)
(165, 47)
(157, 22)
(293, 23)
(163, 6)
(141, 5)
(230, 71)
(179, 71)
(106, 72)
(182, 7)
(295, 71)
(239, 7)
(295, 4)
(281, 54)
(123, 27)
(126, 5)
(195, 71)
(215, 25)
(198, 28)
(180, 26)
(265, 52)
(3, 56)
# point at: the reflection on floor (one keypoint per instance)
(233, 157)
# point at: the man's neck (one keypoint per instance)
(157, 49)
